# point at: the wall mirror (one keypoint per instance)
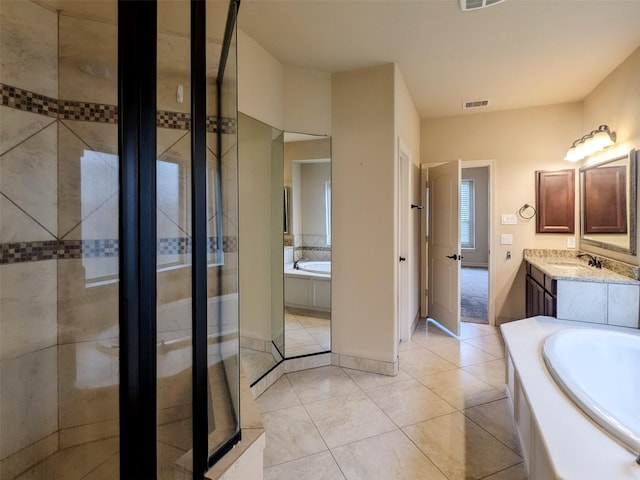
(260, 200)
(307, 238)
(608, 201)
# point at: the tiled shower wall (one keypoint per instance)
(29, 214)
(59, 235)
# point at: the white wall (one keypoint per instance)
(364, 261)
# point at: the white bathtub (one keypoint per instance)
(600, 371)
(309, 286)
(315, 267)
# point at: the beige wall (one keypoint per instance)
(254, 202)
(520, 142)
(407, 124)
(307, 101)
(260, 83)
(364, 264)
(616, 102)
(287, 98)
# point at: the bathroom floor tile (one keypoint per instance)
(492, 372)
(348, 418)
(368, 380)
(472, 330)
(461, 354)
(299, 338)
(517, 472)
(492, 344)
(409, 402)
(290, 435)
(421, 362)
(384, 457)
(496, 418)
(321, 383)
(461, 389)
(320, 466)
(459, 448)
(279, 395)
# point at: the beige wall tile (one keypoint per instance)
(29, 37)
(88, 55)
(29, 177)
(28, 308)
(16, 126)
(17, 226)
(84, 312)
(88, 384)
(29, 399)
(83, 187)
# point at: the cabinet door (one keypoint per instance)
(535, 298)
(549, 304)
(555, 201)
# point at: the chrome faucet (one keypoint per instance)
(295, 264)
(593, 261)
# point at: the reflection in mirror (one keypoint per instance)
(307, 256)
(260, 173)
(608, 204)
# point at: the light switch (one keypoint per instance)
(509, 219)
(506, 239)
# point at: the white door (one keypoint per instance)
(444, 245)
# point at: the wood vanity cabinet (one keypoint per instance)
(555, 201)
(541, 292)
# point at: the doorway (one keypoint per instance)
(474, 241)
(474, 280)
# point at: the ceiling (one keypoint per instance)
(516, 54)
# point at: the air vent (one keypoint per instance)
(475, 104)
(475, 4)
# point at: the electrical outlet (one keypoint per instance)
(509, 219)
(506, 239)
(571, 242)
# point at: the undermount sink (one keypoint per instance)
(567, 265)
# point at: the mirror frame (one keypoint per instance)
(632, 198)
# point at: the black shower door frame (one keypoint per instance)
(137, 79)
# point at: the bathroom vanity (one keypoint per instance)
(558, 284)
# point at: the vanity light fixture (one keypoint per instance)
(591, 143)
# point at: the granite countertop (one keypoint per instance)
(564, 265)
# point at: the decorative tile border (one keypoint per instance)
(28, 101)
(19, 252)
(87, 112)
(32, 102)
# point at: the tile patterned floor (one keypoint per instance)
(306, 331)
(445, 416)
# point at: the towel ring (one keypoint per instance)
(527, 212)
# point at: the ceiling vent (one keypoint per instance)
(476, 4)
(475, 104)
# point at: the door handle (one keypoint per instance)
(453, 257)
(402, 259)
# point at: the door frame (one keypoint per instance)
(424, 261)
(403, 206)
(490, 164)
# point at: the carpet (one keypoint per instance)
(474, 288)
